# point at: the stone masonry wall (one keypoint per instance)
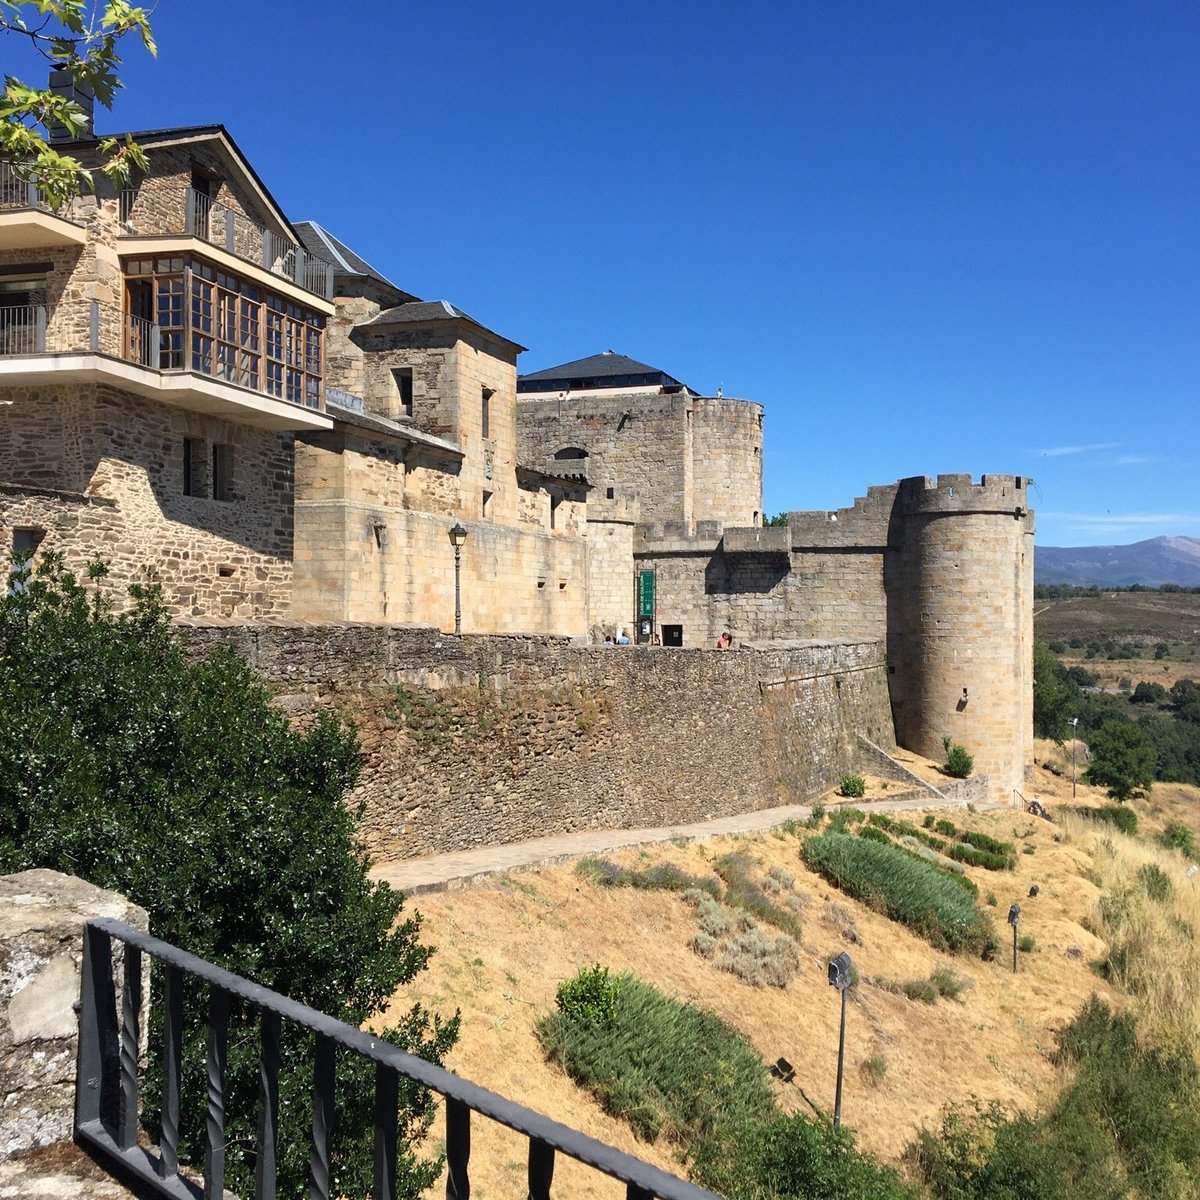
(727, 439)
(471, 741)
(514, 580)
(638, 445)
(41, 948)
(101, 472)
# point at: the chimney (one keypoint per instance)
(62, 84)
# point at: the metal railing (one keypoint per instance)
(16, 192)
(106, 1110)
(142, 342)
(23, 329)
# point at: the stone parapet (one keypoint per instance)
(42, 914)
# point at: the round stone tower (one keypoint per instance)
(960, 628)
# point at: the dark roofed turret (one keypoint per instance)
(609, 370)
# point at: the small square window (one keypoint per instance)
(222, 472)
(609, 493)
(487, 503)
(402, 377)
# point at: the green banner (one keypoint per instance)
(645, 593)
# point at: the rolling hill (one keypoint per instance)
(1151, 562)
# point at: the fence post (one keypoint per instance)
(39, 329)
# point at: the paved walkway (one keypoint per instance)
(444, 872)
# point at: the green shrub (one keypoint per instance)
(959, 764)
(904, 887)
(758, 960)
(948, 984)
(1177, 836)
(177, 784)
(797, 1157)
(1026, 944)
(928, 820)
(920, 989)
(666, 877)
(874, 834)
(853, 786)
(991, 899)
(845, 815)
(1156, 882)
(963, 853)
(589, 997)
(982, 841)
(1123, 817)
(668, 1068)
(815, 817)
(945, 828)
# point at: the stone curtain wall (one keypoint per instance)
(476, 741)
(41, 948)
(514, 580)
(102, 473)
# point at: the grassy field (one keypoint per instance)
(1172, 617)
(504, 946)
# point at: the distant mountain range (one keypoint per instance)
(1152, 562)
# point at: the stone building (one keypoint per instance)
(194, 386)
(423, 403)
(159, 350)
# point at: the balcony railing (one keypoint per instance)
(106, 1111)
(16, 192)
(23, 329)
(89, 326)
(234, 232)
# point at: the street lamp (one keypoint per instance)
(1014, 915)
(458, 537)
(1074, 723)
(840, 976)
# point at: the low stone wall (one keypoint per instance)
(41, 946)
(477, 741)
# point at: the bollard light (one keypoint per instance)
(841, 975)
(1014, 915)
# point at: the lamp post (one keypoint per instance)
(1014, 915)
(1074, 723)
(458, 537)
(840, 977)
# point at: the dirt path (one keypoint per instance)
(443, 872)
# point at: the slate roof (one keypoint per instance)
(319, 241)
(426, 311)
(608, 369)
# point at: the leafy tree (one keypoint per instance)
(1054, 694)
(84, 40)
(1148, 693)
(178, 785)
(1122, 760)
(1185, 699)
(777, 521)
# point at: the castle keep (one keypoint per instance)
(192, 384)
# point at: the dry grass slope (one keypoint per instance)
(504, 947)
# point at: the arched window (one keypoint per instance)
(570, 452)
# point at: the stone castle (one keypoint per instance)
(194, 384)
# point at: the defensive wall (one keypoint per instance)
(939, 570)
(475, 741)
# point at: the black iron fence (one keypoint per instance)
(106, 1114)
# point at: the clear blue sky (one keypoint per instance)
(935, 236)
